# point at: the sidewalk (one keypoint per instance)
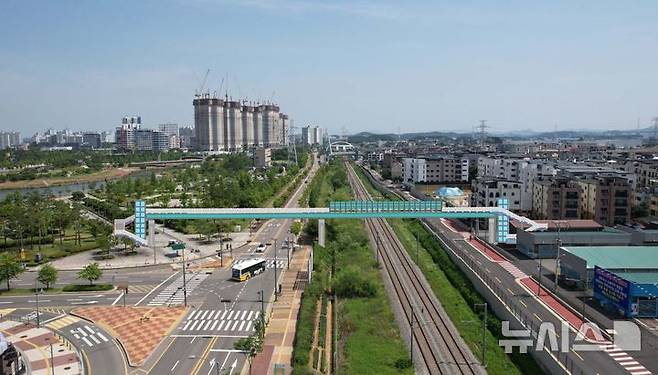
(35, 346)
(144, 256)
(280, 332)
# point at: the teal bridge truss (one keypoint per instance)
(336, 210)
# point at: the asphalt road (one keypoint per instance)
(204, 339)
(498, 278)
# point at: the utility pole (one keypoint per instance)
(184, 281)
(52, 366)
(411, 336)
(539, 276)
(558, 242)
(262, 308)
(484, 332)
(36, 293)
(417, 260)
(276, 283)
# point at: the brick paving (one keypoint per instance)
(280, 331)
(34, 345)
(139, 329)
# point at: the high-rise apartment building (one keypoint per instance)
(312, 135)
(9, 139)
(169, 129)
(130, 136)
(226, 125)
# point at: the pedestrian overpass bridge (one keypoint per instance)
(498, 217)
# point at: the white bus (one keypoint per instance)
(247, 269)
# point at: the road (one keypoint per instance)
(525, 304)
(204, 339)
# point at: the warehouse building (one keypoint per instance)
(624, 278)
(545, 244)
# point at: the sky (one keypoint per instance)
(365, 65)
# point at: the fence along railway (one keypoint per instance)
(437, 347)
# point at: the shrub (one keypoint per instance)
(351, 282)
(87, 288)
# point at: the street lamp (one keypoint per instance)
(276, 284)
(558, 243)
(484, 332)
(184, 281)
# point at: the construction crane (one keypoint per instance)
(199, 92)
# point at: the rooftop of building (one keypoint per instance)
(564, 225)
(617, 257)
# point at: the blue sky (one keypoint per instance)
(365, 65)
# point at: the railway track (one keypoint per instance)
(437, 346)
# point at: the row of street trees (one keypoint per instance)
(10, 269)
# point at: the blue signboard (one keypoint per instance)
(612, 289)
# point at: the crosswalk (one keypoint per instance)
(63, 322)
(140, 288)
(89, 335)
(512, 269)
(269, 263)
(173, 294)
(209, 321)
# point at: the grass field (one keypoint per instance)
(462, 314)
(369, 340)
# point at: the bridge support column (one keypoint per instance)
(321, 232)
(151, 233)
(493, 222)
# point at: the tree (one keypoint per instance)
(296, 228)
(91, 272)
(252, 345)
(47, 275)
(10, 268)
(78, 196)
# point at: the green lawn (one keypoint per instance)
(458, 308)
(55, 249)
(369, 340)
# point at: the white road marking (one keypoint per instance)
(118, 298)
(175, 364)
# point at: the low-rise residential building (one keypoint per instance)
(487, 191)
(556, 198)
(413, 170)
(606, 199)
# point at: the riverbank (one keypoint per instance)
(106, 174)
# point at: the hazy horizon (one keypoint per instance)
(366, 65)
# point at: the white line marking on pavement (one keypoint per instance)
(229, 315)
(97, 341)
(250, 313)
(214, 324)
(87, 341)
(217, 314)
(194, 325)
(241, 325)
(159, 285)
(90, 330)
(248, 326)
(186, 324)
(175, 364)
(118, 298)
(234, 325)
(224, 313)
(207, 325)
(244, 314)
(102, 336)
(221, 323)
